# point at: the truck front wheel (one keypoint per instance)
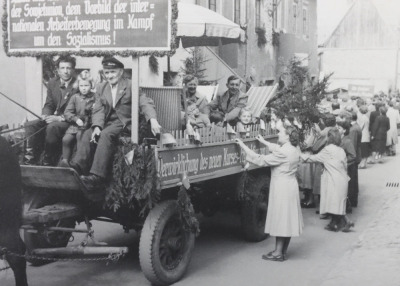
(165, 247)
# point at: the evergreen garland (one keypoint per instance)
(299, 96)
(187, 213)
(153, 64)
(174, 43)
(135, 183)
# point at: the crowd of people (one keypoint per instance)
(350, 135)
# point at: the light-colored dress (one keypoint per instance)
(284, 216)
(305, 171)
(394, 119)
(334, 179)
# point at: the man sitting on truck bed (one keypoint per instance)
(47, 133)
(111, 116)
(226, 107)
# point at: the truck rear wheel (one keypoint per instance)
(165, 247)
(254, 212)
(43, 238)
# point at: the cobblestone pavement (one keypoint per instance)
(375, 258)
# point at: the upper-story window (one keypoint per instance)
(275, 13)
(294, 23)
(258, 14)
(305, 22)
(212, 5)
(236, 16)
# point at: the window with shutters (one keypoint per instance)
(305, 22)
(212, 5)
(258, 14)
(236, 16)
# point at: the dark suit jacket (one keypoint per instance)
(372, 117)
(355, 135)
(232, 110)
(380, 127)
(123, 107)
(55, 101)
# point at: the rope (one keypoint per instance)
(11, 130)
(25, 139)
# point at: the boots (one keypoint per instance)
(47, 159)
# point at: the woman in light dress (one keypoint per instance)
(284, 218)
(334, 181)
(363, 121)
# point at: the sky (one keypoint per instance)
(331, 12)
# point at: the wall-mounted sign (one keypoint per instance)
(88, 25)
(361, 90)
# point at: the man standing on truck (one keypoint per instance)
(226, 107)
(50, 130)
(111, 116)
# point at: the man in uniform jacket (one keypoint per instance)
(111, 116)
(50, 130)
(226, 107)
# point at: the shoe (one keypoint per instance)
(324, 216)
(64, 164)
(308, 205)
(331, 228)
(92, 182)
(272, 257)
(47, 160)
(73, 165)
(347, 227)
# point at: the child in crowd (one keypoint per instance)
(78, 113)
(245, 121)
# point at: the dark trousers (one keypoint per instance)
(352, 193)
(105, 150)
(49, 139)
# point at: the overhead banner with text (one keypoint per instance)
(88, 25)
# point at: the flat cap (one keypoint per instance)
(112, 63)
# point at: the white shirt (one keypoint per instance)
(114, 94)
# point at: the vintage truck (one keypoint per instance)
(190, 178)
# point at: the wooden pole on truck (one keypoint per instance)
(135, 100)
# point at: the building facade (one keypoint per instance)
(275, 31)
(363, 49)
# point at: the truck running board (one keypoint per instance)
(51, 213)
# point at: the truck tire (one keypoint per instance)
(165, 247)
(254, 213)
(44, 239)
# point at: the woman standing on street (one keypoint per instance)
(363, 121)
(379, 134)
(284, 218)
(334, 180)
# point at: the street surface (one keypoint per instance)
(369, 255)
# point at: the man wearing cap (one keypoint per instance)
(50, 130)
(111, 116)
